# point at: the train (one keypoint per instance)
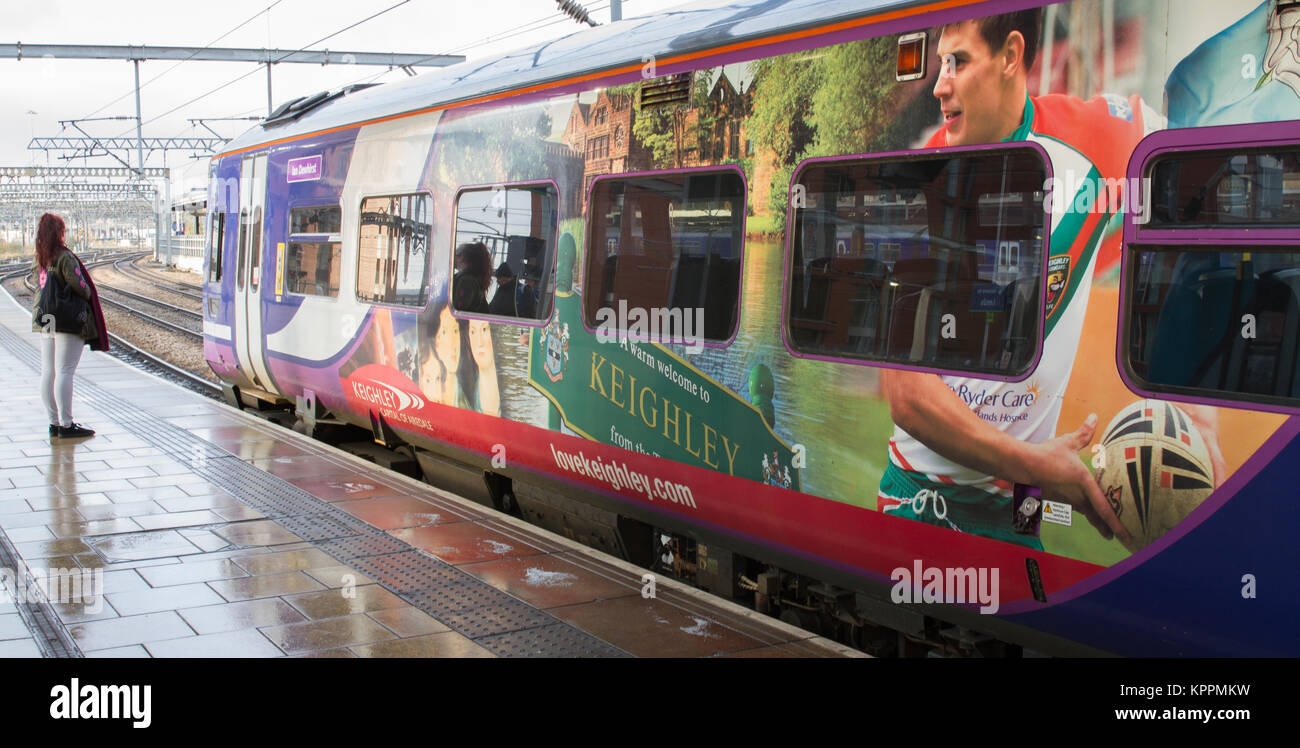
(962, 328)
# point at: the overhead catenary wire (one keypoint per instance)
(534, 25)
(531, 26)
(272, 62)
(246, 21)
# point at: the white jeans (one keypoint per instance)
(60, 352)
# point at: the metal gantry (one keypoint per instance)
(83, 195)
(59, 188)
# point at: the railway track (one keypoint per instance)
(128, 267)
(124, 349)
(191, 327)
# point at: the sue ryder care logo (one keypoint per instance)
(951, 586)
(1008, 398)
(77, 701)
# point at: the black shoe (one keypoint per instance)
(75, 432)
(54, 430)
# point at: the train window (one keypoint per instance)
(313, 260)
(216, 244)
(925, 259)
(1227, 189)
(670, 245)
(516, 225)
(393, 261)
(1224, 319)
(241, 253)
(255, 249)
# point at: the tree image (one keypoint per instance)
(509, 145)
(780, 123)
(840, 101)
(672, 133)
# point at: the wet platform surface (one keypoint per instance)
(200, 531)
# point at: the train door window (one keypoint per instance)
(921, 259)
(216, 245)
(255, 249)
(241, 249)
(393, 257)
(516, 224)
(670, 246)
(313, 259)
(1212, 277)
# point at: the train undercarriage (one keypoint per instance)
(868, 623)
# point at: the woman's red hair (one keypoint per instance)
(49, 239)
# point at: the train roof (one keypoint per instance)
(690, 28)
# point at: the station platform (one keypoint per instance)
(201, 531)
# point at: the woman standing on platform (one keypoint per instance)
(61, 343)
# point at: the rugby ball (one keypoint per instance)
(1157, 469)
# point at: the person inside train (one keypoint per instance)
(527, 293)
(63, 334)
(503, 301)
(473, 277)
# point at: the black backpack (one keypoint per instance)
(58, 300)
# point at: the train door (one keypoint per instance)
(248, 298)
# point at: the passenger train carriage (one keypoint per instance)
(969, 321)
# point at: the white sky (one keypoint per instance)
(69, 89)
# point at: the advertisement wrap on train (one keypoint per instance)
(790, 299)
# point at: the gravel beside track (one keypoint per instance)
(179, 350)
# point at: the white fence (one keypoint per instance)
(184, 252)
(188, 246)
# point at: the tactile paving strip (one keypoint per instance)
(545, 640)
(315, 527)
(40, 618)
(459, 600)
(362, 547)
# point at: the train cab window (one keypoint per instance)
(393, 257)
(313, 259)
(216, 245)
(930, 260)
(516, 224)
(1210, 309)
(669, 245)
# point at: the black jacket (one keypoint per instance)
(503, 301)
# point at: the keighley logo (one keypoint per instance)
(555, 341)
(1058, 279)
(75, 701)
(386, 395)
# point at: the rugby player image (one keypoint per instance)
(951, 463)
